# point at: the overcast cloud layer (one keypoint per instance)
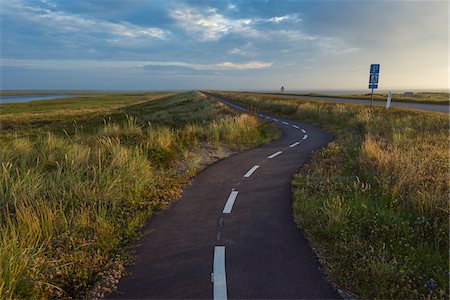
(255, 45)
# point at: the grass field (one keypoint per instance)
(79, 176)
(421, 97)
(83, 113)
(67, 92)
(374, 203)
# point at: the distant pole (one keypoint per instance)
(371, 98)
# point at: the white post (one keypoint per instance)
(388, 103)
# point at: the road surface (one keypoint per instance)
(421, 106)
(232, 234)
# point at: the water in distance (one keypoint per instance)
(15, 99)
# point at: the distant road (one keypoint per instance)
(421, 106)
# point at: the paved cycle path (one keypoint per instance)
(232, 235)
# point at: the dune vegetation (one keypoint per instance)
(79, 176)
(374, 203)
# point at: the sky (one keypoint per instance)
(227, 45)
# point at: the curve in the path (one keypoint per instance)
(443, 108)
(232, 234)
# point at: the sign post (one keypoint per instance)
(373, 78)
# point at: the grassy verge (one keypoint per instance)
(420, 97)
(374, 202)
(77, 181)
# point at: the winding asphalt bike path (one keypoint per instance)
(232, 234)
(443, 108)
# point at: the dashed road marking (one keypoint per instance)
(250, 172)
(305, 137)
(219, 276)
(285, 123)
(295, 126)
(229, 205)
(294, 144)
(276, 120)
(303, 130)
(275, 154)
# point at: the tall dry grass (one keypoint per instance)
(68, 203)
(406, 150)
(413, 175)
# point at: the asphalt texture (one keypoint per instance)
(266, 255)
(411, 105)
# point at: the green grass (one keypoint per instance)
(374, 203)
(80, 178)
(68, 104)
(420, 97)
(9, 93)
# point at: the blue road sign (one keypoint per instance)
(374, 68)
(373, 78)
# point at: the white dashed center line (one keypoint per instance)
(294, 144)
(275, 120)
(219, 277)
(275, 154)
(250, 172)
(305, 137)
(303, 130)
(285, 123)
(295, 126)
(230, 202)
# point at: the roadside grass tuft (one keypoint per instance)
(374, 202)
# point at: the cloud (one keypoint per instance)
(290, 17)
(231, 6)
(175, 70)
(244, 66)
(209, 25)
(335, 46)
(63, 22)
(84, 64)
(237, 51)
(246, 49)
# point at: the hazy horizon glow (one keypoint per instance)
(253, 45)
